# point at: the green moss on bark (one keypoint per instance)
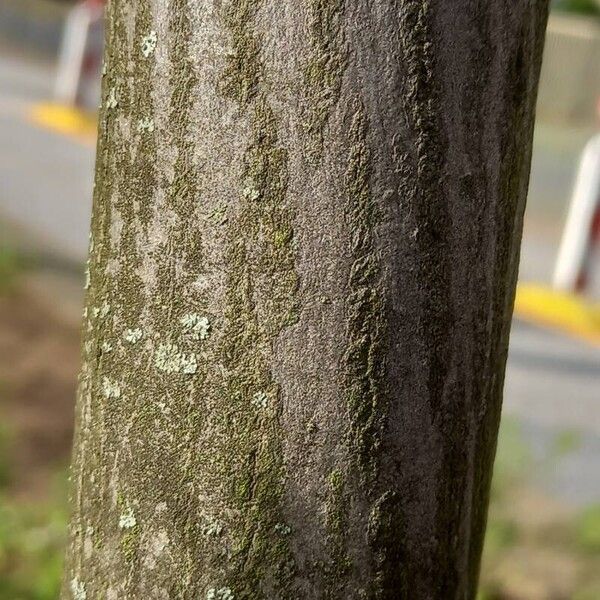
(243, 69)
(260, 302)
(337, 515)
(386, 535)
(366, 323)
(324, 69)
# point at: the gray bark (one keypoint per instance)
(305, 241)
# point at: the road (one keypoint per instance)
(45, 179)
(553, 382)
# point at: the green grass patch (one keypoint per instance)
(565, 442)
(512, 458)
(587, 530)
(11, 265)
(5, 466)
(32, 541)
(501, 534)
(581, 7)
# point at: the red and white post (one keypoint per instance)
(80, 58)
(582, 230)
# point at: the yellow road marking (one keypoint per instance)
(563, 312)
(65, 120)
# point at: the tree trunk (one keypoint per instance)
(305, 242)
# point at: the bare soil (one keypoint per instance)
(39, 356)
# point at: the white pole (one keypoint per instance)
(576, 242)
(72, 54)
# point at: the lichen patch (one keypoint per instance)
(112, 101)
(260, 400)
(223, 593)
(133, 336)
(212, 527)
(149, 44)
(110, 389)
(127, 519)
(196, 326)
(170, 359)
(146, 125)
(77, 589)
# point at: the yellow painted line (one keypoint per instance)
(564, 312)
(65, 120)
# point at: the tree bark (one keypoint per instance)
(304, 248)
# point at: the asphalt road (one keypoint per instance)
(553, 382)
(45, 178)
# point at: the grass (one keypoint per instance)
(32, 533)
(5, 465)
(32, 539)
(31, 549)
(581, 7)
(534, 548)
(587, 530)
(11, 265)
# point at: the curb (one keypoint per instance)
(560, 311)
(66, 120)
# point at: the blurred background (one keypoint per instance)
(543, 540)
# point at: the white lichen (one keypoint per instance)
(133, 336)
(189, 365)
(101, 311)
(106, 347)
(260, 400)
(169, 359)
(110, 389)
(127, 520)
(146, 125)
(112, 101)
(223, 593)
(212, 528)
(196, 326)
(78, 589)
(283, 529)
(161, 507)
(251, 193)
(149, 44)
(86, 285)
